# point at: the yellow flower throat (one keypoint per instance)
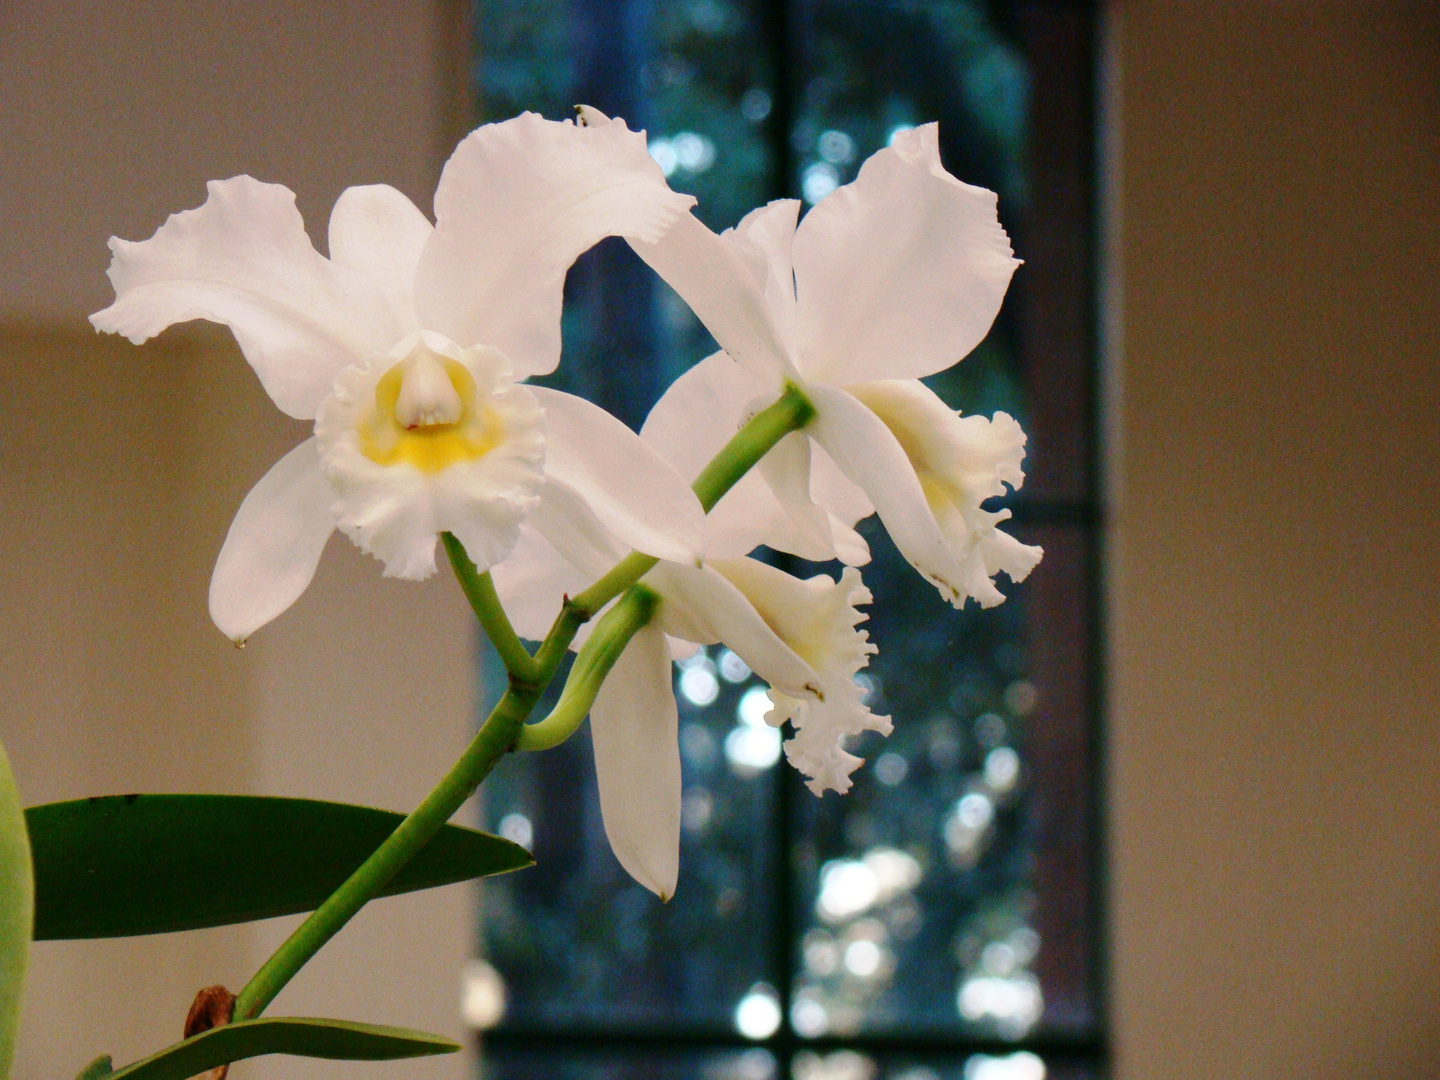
(426, 415)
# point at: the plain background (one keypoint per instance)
(1272, 173)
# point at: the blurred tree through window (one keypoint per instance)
(941, 920)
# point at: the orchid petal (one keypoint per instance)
(517, 202)
(378, 232)
(973, 457)
(711, 276)
(692, 422)
(633, 726)
(869, 454)
(960, 461)
(747, 516)
(700, 412)
(900, 273)
(698, 604)
(764, 238)
(243, 259)
(695, 418)
(786, 469)
(818, 617)
(274, 544)
(573, 529)
(632, 490)
(833, 490)
(533, 581)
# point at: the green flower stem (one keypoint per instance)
(752, 442)
(528, 677)
(491, 743)
(480, 591)
(597, 657)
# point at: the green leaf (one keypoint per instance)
(101, 1067)
(300, 1036)
(147, 864)
(17, 909)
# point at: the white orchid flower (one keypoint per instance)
(890, 278)
(406, 346)
(799, 636)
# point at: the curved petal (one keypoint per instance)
(243, 259)
(900, 273)
(517, 202)
(961, 461)
(572, 528)
(833, 490)
(786, 469)
(533, 581)
(378, 232)
(694, 419)
(711, 276)
(698, 604)
(700, 412)
(274, 544)
(868, 454)
(633, 725)
(746, 517)
(634, 493)
(765, 239)
(819, 618)
(972, 457)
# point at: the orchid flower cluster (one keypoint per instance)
(410, 348)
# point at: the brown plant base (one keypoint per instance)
(213, 1007)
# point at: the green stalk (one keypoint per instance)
(485, 602)
(528, 678)
(597, 657)
(494, 738)
(752, 442)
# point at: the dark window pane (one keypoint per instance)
(696, 77)
(511, 1062)
(950, 897)
(949, 890)
(578, 942)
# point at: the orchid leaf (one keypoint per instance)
(149, 864)
(17, 909)
(298, 1036)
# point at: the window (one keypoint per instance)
(940, 921)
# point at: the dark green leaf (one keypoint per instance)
(146, 864)
(296, 1035)
(101, 1067)
(17, 908)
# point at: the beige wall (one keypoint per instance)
(1275, 575)
(121, 467)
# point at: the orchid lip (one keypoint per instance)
(429, 411)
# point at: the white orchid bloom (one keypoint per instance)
(892, 277)
(406, 347)
(799, 636)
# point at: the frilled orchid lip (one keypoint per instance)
(431, 438)
(429, 410)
